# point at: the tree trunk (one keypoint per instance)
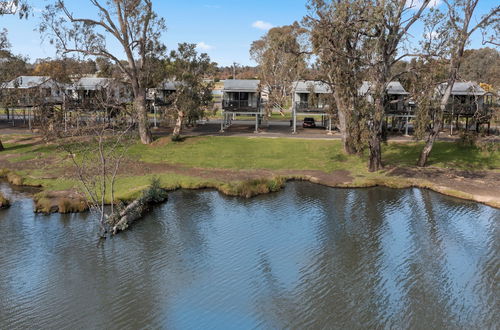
(375, 128)
(1, 146)
(142, 116)
(438, 122)
(348, 136)
(429, 143)
(375, 154)
(178, 123)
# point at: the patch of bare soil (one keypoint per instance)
(484, 186)
(137, 168)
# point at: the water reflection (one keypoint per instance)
(310, 256)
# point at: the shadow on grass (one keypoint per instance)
(17, 147)
(444, 154)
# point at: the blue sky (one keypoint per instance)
(223, 28)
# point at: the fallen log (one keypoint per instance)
(136, 210)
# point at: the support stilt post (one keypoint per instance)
(294, 119)
(222, 122)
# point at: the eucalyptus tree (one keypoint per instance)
(187, 69)
(338, 36)
(458, 25)
(133, 24)
(281, 56)
(389, 25)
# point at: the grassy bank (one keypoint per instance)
(233, 164)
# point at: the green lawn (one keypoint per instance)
(302, 154)
(243, 153)
(249, 153)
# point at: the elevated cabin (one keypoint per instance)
(31, 91)
(466, 98)
(242, 96)
(310, 96)
(397, 96)
(93, 92)
(467, 101)
(161, 95)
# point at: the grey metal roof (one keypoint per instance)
(304, 86)
(27, 82)
(394, 88)
(241, 85)
(91, 84)
(168, 86)
(463, 88)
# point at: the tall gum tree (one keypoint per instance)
(132, 23)
(389, 25)
(460, 24)
(338, 34)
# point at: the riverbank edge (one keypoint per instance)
(255, 187)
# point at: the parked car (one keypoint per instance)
(309, 122)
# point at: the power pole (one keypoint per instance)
(234, 70)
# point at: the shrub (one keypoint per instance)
(254, 187)
(15, 179)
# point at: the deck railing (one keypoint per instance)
(239, 105)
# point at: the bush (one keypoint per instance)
(251, 188)
(15, 179)
(468, 139)
(155, 193)
(177, 138)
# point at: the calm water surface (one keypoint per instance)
(308, 257)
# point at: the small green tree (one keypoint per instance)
(188, 70)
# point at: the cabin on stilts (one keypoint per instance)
(40, 96)
(469, 106)
(310, 98)
(241, 98)
(160, 98)
(399, 109)
(162, 94)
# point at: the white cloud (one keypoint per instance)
(203, 46)
(416, 4)
(261, 25)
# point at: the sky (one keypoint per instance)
(224, 29)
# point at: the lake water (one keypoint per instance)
(307, 257)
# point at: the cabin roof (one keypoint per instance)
(91, 84)
(251, 86)
(394, 88)
(25, 82)
(304, 87)
(463, 88)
